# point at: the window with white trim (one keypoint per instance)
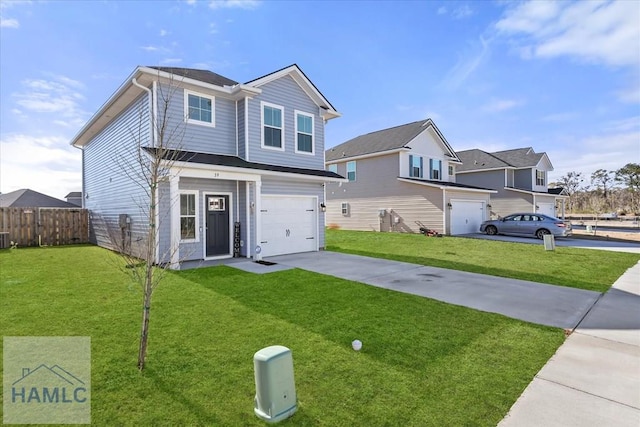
(333, 168)
(435, 169)
(351, 170)
(199, 108)
(344, 207)
(272, 126)
(540, 178)
(451, 170)
(188, 216)
(304, 132)
(415, 166)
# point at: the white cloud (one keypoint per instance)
(234, 4)
(150, 48)
(442, 10)
(462, 12)
(171, 61)
(9, 23)
(560, 117)
(52, 166)
(58, 95)
(190, 2)
(596, 32)
(499, 105)
(468, 63)
(163, 33)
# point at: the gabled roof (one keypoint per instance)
(447, 184)
(519, 158)
(304, 82)
(237, 162)
(26, 198)
(384, 140)
(73, 194)
(201, 75)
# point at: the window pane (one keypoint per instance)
(304, 124)
(272, 117)
(188, 228)
(272, 137)
(194, 101)
(304, 143)
(184, 201)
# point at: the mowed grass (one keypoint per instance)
(589, 269)
(422, 363)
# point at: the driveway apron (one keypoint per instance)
(529, 301)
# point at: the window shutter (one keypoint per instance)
(410, 165)
(440, 170)
(430, 168)
(421, 169)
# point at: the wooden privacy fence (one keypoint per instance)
(43, 226)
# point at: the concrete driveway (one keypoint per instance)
(529, 301)
(573, 242)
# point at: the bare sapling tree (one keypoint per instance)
(148, 161)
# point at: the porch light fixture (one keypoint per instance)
(449, 205)
(323, 207)
(489, 206)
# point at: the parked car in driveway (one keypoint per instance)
(527, 224)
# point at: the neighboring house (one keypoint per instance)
(26, 198)
(401, 179)
(75, 198)
(520, 177)
(246, 176)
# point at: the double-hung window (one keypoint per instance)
(540, 178)
(199, 108)
(351, 170)
(272, 126)
(435, 169)
(188, 216)
(304, 132)
(333, 168)
(415, 166)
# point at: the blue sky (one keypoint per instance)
(561, 77)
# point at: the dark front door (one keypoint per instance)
(217, 225)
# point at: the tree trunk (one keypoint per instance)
(146, 311)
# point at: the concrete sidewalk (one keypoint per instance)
(529, 301)
(594, 377)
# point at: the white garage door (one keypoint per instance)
(466, 216)
(289, 225)
(547, 209)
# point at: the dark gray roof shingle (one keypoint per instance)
(233, 161)
(202, 75)
(26, 198)
(481, 160)
(379, 141)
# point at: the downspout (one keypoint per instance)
(246, 128)
(237, 140)
(151, 107)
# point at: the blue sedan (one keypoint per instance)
(527, 224)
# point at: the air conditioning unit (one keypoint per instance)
(275, 387)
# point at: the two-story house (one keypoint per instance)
(244, 175)
(401, 179)
(519, 176)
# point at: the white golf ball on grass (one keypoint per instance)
(356, 344)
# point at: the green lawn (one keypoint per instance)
(423, 362)
(589, 269)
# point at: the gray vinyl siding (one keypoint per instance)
(522, 179)
(286, 93)
(297, 188)
(110, 162)
(220, 139)
(377, 187)
(241, 133)
(488, 179)
(194, 251)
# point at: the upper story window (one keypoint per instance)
(415, 166)
(333, 168)
(351, 170)
(304, 132)
(451, 171)
(435, 169)
(272, 126)
(188, 216)
(540, 178)
(199, 108)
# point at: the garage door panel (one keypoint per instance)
(466, 216)
(288, 225)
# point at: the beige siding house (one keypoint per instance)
(402, 179)
(519, 176)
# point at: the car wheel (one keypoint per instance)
(491, 230)
(541, 233)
